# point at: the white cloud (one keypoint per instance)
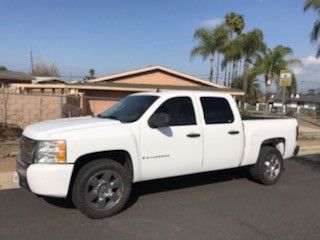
(309, 74)
(311, 60)
(211, 22)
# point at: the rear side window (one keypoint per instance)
(216, 110)
(180, 110)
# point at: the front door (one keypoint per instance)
(176, 149)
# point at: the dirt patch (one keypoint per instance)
(8, 154)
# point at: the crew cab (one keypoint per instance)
(95, 160)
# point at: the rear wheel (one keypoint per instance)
(269, 166)
(101, 188)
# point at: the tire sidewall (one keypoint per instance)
(257, 171)
(79, 188)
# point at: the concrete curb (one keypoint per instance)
(307, 148)
(309, 151)
(8, 180)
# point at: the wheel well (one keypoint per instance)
(120, 156)
(278, 143)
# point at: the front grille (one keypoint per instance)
(27, 147)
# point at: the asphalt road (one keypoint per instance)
(220, 205)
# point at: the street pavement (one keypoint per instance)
(218, 205)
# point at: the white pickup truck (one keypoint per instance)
(95, 160)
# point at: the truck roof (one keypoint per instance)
(179, 93)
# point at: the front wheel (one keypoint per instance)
(269, 166)
(101, 188)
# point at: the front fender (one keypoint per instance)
(88, 141)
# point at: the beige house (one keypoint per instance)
(10, 77)
(98, 94)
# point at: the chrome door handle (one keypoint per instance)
(193, 135)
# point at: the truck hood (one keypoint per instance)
(43, 130)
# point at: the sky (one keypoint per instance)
(114, 36)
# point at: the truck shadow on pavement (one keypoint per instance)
(200, 179)
(188, 181)
(169, 184)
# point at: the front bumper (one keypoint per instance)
(45, 179)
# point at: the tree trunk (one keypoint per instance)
(211, 69)
(268, 92)
(246, 76)
(218, 68)
(234, 71)
(229, 75)
(225, 76)
(240, 67)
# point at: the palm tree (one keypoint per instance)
(251, 45)
(211, 41)
(293, 88)
(3, 68)
(253, 87)
(221, 33)
(236, 23)
(92, 73)
(232, 54)
(272, 62)
(315, 33)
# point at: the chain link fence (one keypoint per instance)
(20, 110)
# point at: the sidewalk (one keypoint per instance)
(8, 181)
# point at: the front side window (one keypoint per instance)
(216, 110)
(180, 111)
(130, 108)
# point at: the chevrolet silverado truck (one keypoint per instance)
(95, 160)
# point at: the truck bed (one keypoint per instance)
(258, 129)
(263, 118)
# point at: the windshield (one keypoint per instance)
(129, 109)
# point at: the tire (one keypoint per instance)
(101, 188)
(269, 166)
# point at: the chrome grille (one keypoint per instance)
(27, 146)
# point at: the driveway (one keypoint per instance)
(220, 205)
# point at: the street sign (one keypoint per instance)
(285, 78)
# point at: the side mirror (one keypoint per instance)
(159, 120)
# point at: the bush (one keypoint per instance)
(245, 114)
(10, 132)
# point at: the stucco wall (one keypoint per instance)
(156, 77)
(96, 102)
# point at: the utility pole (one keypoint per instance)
(285, 81)
(31, 59)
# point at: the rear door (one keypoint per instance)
(222, 133)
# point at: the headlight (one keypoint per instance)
(50, 152)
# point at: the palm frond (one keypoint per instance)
(312, 4)
(199, 51)
(315, 34)
(295, 61)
